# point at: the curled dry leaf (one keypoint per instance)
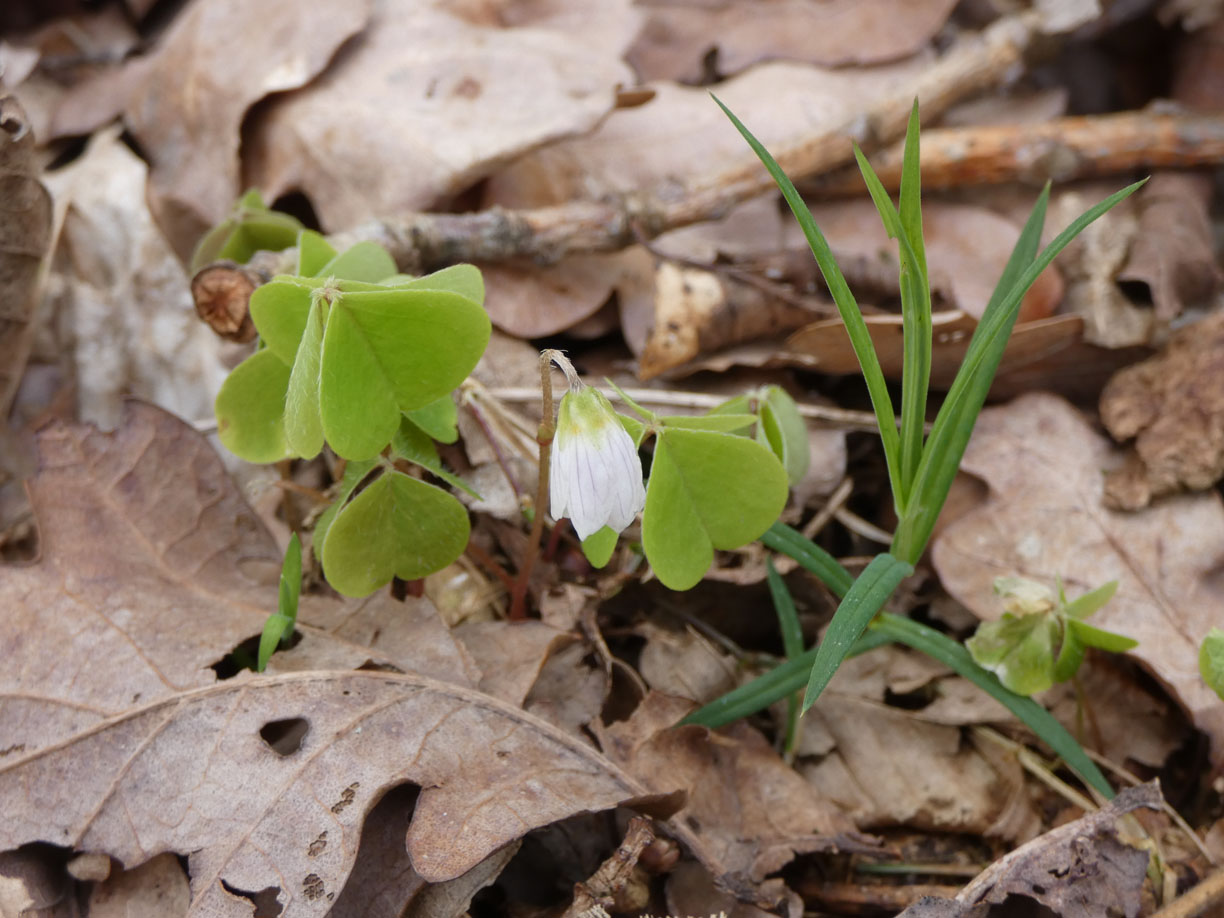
(218, 58)
(434, 96)
(156, 887)
(1044, 519)
(1173, 406)
(1173, 253)
(150, 563)
(194, 774)
(25, 232)
(686, 41)
(1079, 870)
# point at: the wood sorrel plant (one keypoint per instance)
(362, 359)
(920, 466)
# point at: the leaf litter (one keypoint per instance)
(123, 733)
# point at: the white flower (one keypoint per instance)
(596, 476)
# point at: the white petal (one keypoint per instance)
(558, 484)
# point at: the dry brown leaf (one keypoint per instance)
(1173, 405)
(1044, 519)
(751, 812)
(1173, 254)
(685, 664)
(218, 58)
(510, 654)
(435, 96)
(156, 887)
(25, 233)
(194, 774)
(152, 567)
(570, 690)
(940, 784)
(688, 42)
(1079, 870)
(118, 301)
(34, 885)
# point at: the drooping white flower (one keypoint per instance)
(595, 477)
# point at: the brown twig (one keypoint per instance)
(1058, 150)
(1197, 901)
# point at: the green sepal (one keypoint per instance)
(599, 545)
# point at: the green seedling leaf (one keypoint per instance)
(281, 622)
(723, 423)
(1019, 650)
(1083, 606)
(397, 527)
(792, 644)
(865, 598)
(366, 262)
(354, 474)
(1211, 661)
(1070, 656)
(598, 546)
(1091, 636)
(415, 445)
(707, 490)
(279, 309)
(250, 227)
(250, 409)
(439, 419)
(389, 352)
(785, 432)
(648, 416)
(741, 404)
(303, 426)
(314, 252)
(785, 540)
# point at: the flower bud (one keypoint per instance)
(596, 477)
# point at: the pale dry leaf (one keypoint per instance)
(685, 664)
(33, 884)
(687, 41)
(434, 96)
(680, 132)
(1172, 404)
(749, 810)
(156, 887)
(1079, 870)
(25, 233)
(1044, 519)
(152, 568)
(118, 300)
(218, 58)
(510, 655)
(570, 691)
(194, 774)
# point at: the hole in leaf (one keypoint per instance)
(369, 666)
(284, 737)
(244, 655)
(266, 901)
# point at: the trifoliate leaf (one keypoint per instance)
(1091, 636)
(365, 261)
(397, 527)
(785, 432)
(707, 490)
(248, 228)
(354, 474)
(439, 419)
(1017, 649)
(1211, 661)
(723, 423)
(415, 445)
(314, 252)
(303, 426)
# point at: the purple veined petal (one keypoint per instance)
(558, 485)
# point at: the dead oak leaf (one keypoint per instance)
(1044, 519)
(193, 773)
(433, 97)
(153, 568)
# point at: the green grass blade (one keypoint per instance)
(792, 644)
(787, 541)
(952, 654)
(282, 622)
(865, 598)
(856, 328)
(954, 424)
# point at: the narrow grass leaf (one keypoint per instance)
(865, 598)
(792, 644)
(782, 538)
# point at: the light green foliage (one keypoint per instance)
(1211, 661)
(363, 360)
(398, 526)
(1041, 638)
(249, 227)
(598, 546)
(281, 622)
(776, 423)
(707, 490)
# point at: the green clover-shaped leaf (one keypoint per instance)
(397, 527)
(1019, 650)
(249, 227)
(250, 408)
(707, 490)
(1211, 661)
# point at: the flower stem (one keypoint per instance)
(544, 437)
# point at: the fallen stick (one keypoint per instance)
(1058, 150)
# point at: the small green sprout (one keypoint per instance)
(279, 627)
(1041, 637)
(1211, 661)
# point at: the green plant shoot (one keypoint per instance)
(280, 624)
